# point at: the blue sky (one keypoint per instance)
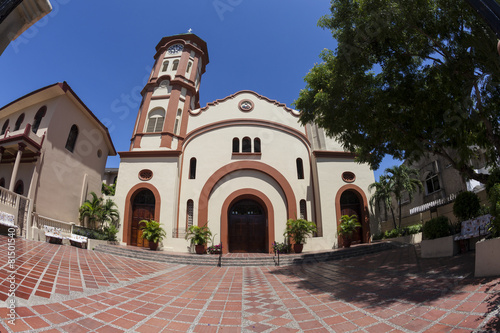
(104, 50)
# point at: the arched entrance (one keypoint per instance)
(247, 227)
(143, 208)
(350, 204)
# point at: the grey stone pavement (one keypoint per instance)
(66, 289)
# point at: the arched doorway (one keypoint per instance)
(143, 208)
(247, 227)
(350, 204)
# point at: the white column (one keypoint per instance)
(20, 150)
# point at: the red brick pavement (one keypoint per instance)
(65, 289)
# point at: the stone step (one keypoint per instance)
(213, 260)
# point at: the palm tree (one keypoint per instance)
(109, 213)
(382, 194)
(92, 210)
(403, 179)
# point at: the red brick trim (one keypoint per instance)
(291, 203)
(247, 193)
(127, 215)
(149, 153)
(334, 154)
(365, 218)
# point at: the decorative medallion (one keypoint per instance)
(145, 174)
(246, 105)
(348, 177)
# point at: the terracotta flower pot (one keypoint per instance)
(200, 249)
(297, 248)
(153, 246)
(346, 241)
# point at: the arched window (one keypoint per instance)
(176, 64)
(256, 145)
(300, 169)
(71, 141)
(2, 182)
(4, 127)
(236, 145)
(189, 66)
(246, 145)
(189, 213)
(177, 122)
(192, 168)
(38, 118)
(19, 121)
(303, 210)
(19, 188)
(156, 118)
(165, 66)
(432, 183)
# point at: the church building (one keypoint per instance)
(243, 164)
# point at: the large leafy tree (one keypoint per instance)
(408, 77)
(403, 179)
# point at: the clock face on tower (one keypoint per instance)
(175, 49)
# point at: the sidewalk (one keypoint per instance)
(65, 289)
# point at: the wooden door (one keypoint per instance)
(143, 208)
(350, 204)
(247, 228)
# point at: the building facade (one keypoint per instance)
(53, 150)
(242, 164)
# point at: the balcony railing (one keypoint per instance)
(435, 203)
(17, 205)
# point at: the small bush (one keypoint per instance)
(392, 233)
(412, 229)
(466, 206)
(436, 228)
(378, 236)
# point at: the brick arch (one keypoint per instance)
(365, 218)
(127, 215)
(242, 194)
(245, 165)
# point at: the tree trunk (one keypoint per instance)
(393, 218)
(399, 214)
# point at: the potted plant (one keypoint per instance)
(152, 232)
(199, 237)
(347, 226)
(298, 230)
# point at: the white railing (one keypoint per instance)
(39, 221)
(435, 203)
(17, 205)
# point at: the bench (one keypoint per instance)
(78, 241)
(473, 228)
(6, 223)
(53, 235)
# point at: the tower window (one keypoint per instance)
(38, 118)
(236, 145)
(177, 122)
(72, 136)
(192, 168)
(256, 145)
(165, 66)
(189, 213)
(303, 209)
(176, 64)
(246, 145)
(300, 169)
(4, 127)
(189, 66)
(155, 120)
(19, 121)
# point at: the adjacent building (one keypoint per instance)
(53, 151)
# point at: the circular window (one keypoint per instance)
(99, 153)
(348, 177)
(246, 105)
(145, 174)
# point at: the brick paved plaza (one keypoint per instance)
(65, 289)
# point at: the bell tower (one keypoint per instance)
(172, 90)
